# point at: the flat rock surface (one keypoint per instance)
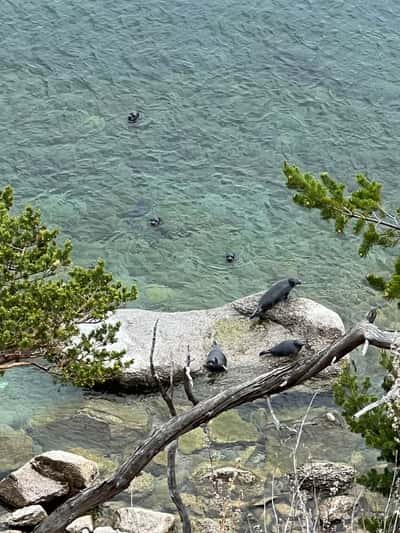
(241, 339)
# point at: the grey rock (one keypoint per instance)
(240, 340)
(130, 519)
(337, 509)
(75, 470)
(26, 486)
(330, 478)
(83, 524)
(26, 517)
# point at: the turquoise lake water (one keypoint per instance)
(227, 92)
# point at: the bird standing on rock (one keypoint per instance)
(279, 292)
(216, 360)
(289, 348)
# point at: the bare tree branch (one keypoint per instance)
(390, 396)
(273, 382)
(188, 381)
(173, 447)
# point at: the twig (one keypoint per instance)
(172, 448)
(393, 394)
(188, 381)
(274, 418)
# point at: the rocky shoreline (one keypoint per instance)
(327, 489)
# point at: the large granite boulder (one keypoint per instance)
(240, 338)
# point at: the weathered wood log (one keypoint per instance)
(273, 382)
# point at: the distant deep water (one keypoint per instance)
(227, 90)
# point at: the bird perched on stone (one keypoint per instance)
(289, 348)
(216, 360)
(279, 292)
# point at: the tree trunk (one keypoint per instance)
(273, 382)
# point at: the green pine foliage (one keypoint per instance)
(44, 298)
(363, 210)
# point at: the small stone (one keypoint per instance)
(331, 417)
(15, 448)
(81, 524)
(26, 517)
(144, 520)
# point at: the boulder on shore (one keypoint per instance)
(46, 478)
(241, 339)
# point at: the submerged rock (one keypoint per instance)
(331, 478)
(230, 427)
(15, 447)
(229, 473)
(240, 339)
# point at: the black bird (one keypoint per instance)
(285, 349)
(155, 221)
(277, 293)
(216, 360)
(371, 316)
(133, 117)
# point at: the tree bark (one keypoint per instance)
(273, 382)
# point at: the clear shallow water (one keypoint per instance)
(227, 92)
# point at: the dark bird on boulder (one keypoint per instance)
(285, 349)
(216, 360)
(279, 292)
